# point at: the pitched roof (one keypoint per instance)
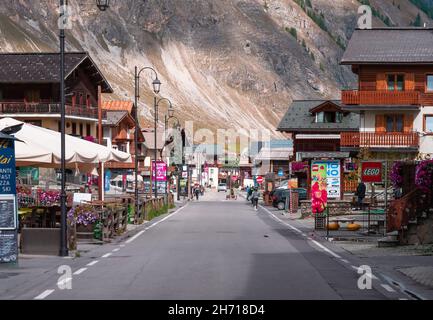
(390, 45)
(114, 117)
(45, 68)
(118, 105)
(299, 118)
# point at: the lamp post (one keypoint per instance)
(166, 119)
(156, 88)
(102, 5)
(156, 105)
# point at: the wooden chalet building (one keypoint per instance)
(30, 90)
(119, 133)
(316, 128)
(394, 96)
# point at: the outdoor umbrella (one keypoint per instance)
(41, 147)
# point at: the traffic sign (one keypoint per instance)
(259, 179)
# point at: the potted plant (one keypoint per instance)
(83, 217)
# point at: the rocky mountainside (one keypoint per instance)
(223, 63)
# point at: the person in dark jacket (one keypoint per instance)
(360, 193)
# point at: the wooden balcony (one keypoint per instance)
(378, 140)
(49, 109)
(355, 97)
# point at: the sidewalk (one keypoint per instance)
(410, 267)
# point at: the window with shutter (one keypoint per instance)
(381, 83)
(380, 123)
(408, 123)
(409, 82)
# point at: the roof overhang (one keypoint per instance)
(97, 74)
(321, 155)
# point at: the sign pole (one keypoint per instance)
(386, 194)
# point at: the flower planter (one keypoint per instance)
(85, 232)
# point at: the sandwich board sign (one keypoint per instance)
(8, 201)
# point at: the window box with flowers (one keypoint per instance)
(424, 176)
(83, 218)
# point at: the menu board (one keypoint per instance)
(7, 212)
(8, 246)
(8, 205)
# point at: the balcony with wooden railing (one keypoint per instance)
(46, 108)
(356, 97)
(375, 139)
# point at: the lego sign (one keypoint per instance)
(371, 172)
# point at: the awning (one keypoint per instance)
(41, 147)
(300, 156)
(274, 154)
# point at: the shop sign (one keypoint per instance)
(371, 171)
(159, 171)
(319, 195)
(8, 203)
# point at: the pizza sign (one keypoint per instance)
(371, 172)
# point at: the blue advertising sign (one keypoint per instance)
(107, 180)
(8, 202)
(280, 172)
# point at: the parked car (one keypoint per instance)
(222, 187)
(279, 196)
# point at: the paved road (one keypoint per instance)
(211, 249)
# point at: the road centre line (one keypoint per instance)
(79, 271)
(92, 263)
(44, 294)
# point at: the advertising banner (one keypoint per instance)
(160, 170)
(371, 171)
(319, 195)
(333, 178)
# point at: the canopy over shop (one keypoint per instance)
(39, 147)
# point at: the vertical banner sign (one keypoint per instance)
(333, 178)
(159, 174)
(107, 180)
(319, 194)
(371, 171)
(8, 203)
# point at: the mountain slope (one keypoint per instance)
(225, 63)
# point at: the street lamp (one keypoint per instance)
(102, 5)
(156, 146)
(156, 84)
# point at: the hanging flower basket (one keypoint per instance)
(397, 175)
(424, 176)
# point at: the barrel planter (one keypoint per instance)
(85, 232)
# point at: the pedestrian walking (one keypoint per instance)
(249, 192)
(360, 193)
(255, 198)
(197, 192)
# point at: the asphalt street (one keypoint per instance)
(209, 249)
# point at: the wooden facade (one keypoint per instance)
(373, 85)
